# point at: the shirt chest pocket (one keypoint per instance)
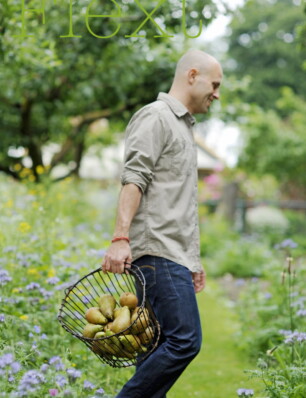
(183, 157)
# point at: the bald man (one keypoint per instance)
(157, 219)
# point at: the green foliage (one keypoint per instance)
(241, 258)
(260, 188)
(225, 251)
(265, 47)
(297, 230)
(54, 234)
(54, 86)
(275, 146)
(265, 94)
(214, 232)
(286, 382)
(273, 318)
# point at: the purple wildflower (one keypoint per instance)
(33, 286)
(77, 315)
(301, 313)
(296, 336)
(286, 244)
(81, 227)
(88, 385)
(4, 277)
(285, 332)
(98, 227)
(73, 373)
(63, 286)
(53, 281)
(6, 359)
(61, 380)
(12, 300)
(240, 282)
(99, 393)
(96, 253)
(45, 293)
(86, 299)
(9, 249)
(53, 392)
(244, 392)
(29, 382)
(44, 367)
(2, 318)
(15, 367)
(37, 329)
(57, 363)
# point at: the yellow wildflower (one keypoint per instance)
(51, 273)
(24, 317)
(40, 169)
(16, 290)
(31, 178)
(32, 271)
(9, 204)
(24, 227)
(25, 172)
(17, 167)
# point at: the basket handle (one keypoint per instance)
(134, 270)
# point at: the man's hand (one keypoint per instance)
(199, 280)
(116, 257)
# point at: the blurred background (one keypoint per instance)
(68, 87)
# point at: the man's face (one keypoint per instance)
(205, 89)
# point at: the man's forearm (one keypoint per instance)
(129, 200)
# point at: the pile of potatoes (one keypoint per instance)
(107, 321)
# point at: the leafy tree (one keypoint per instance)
(265, 45)
(265, 90)
(54, 86)
(277, 146)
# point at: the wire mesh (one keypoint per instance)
(133, 343)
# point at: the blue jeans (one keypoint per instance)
(170, 291)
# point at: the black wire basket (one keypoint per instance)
(137, 338)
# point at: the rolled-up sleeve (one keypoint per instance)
(144, 143)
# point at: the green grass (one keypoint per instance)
(218, 370)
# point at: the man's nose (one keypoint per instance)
(216, 94)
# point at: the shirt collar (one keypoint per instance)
(176, 106)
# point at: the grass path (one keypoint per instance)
(218, 371)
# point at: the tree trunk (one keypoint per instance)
(25, 130)
(227, 206)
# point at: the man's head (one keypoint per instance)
(197, 80)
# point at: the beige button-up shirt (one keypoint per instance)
(161, 159)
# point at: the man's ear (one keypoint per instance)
(192, 74)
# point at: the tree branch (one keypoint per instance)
(78, 122)
(10, 172)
